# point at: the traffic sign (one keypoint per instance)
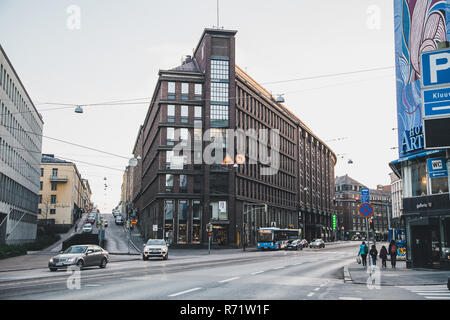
(365, 197)
(365, 210)
(227, 161)
(240, 158)
(437, 167)
(133, 222)
(435, 68)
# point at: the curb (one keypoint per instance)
(347, 276)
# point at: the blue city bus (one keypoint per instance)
(275, 238)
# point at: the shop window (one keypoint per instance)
(219, 210)
(196, 221)
(439, 185)
(182, 221)
(168, 220)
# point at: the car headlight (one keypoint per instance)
(71, 260)
(51, 260)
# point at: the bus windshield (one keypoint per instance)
(265, 236)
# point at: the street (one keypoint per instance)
(310, 274)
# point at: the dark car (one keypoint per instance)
(304, 243)
(318, 243)
(80, 256)
(294, 245)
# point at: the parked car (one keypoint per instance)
(119, 220)
(304, 243)
(106, 223)
(294, 245)
(91, 219)
(87, 227)
(155, 248)
(81, 256)
(318, 243)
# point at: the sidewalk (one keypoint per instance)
(400, 276)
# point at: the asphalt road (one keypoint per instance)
(311, 274)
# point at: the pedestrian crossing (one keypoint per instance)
(430, 292)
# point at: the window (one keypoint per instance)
(198, 112)
(219, 47)
(54, 172)
(169, 156)
(54, 186)
(41, 185)
(197, 184)
(219, 92)
(169, 182)
(170, 113)
(183, 183)
(184, 136)
(53, 198)
(439, 185)
(52, 211)
(171, 90)
(196, 221)
(184, 114)
(185, 91)
(219, 115)
(42, 172)
(168, 220)
(219, 210)
(170, 136)
(219, 70)
(168, 210)
(218, 136)
(198, 91)
(40, 198)
(182, 221)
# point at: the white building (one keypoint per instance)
(397, 196)
(20, 158)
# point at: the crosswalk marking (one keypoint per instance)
(429, 291)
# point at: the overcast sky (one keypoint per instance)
(121, 45)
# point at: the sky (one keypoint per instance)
(120, 46)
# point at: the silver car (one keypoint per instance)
(155, 248)
(80, 256)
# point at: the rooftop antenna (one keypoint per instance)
(218, 9)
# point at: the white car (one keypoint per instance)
(155, 248)
(87, 227)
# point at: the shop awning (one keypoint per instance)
(395, 164)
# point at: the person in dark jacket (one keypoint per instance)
(383, 256)
(363, 250)
(373, 254)
(393, 253)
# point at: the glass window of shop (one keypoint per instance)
(415, 180)
(182, 221)
(220, 234)
(445, 230)
(439, 185)
(168, 220)
(196, 221)
(219, 210)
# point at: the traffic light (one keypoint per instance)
(334, 222)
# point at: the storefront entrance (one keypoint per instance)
(426, 245)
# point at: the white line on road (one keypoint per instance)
(183, 292)
(278, 268)
(349, 298)
(227, 280)
(443, 298)
(316, 289)
(257, 272)
(310, 294)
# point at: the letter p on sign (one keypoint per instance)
(436, 64)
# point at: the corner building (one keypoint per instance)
(177, 196)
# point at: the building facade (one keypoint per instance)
(200, 165)
(20, 153)
(426, 202)
(63, 195)
(351, 224)
(397, 201)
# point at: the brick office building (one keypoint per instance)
(180, 194)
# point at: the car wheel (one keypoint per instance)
(103, 263)
(80, 264)
(53, 269)
(144, 258)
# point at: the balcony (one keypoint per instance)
(58, 179)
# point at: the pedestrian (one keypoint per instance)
(393, 253)
(363, 250)
(76, 227)
(383, 256)
(373, 254)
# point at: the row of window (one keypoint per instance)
(54, 186)
(9, 156)
(17, 195)
(9, 121)
(46, 201)
(19, 215)
(51, 211)
(14, 94)
(182, 181)
(189, 225)
(254, 190)
(184, 90)
(172, 112)
(54, 172)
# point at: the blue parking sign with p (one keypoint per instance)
(436, 68)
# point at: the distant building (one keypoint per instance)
(63, 195)
(347, 200)
(397, 200)
(20, 155)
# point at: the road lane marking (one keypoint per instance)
(183, 292)
(442, 298)
(310, 294)
(227, 280)
(278, 268)
(349, 298)
(316, 289)
(257, 272)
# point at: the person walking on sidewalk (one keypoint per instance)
(383, 256)
(76, 227)
(373, 254)
(393, 253)
(363, 250)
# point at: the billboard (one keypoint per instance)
(419, 26)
